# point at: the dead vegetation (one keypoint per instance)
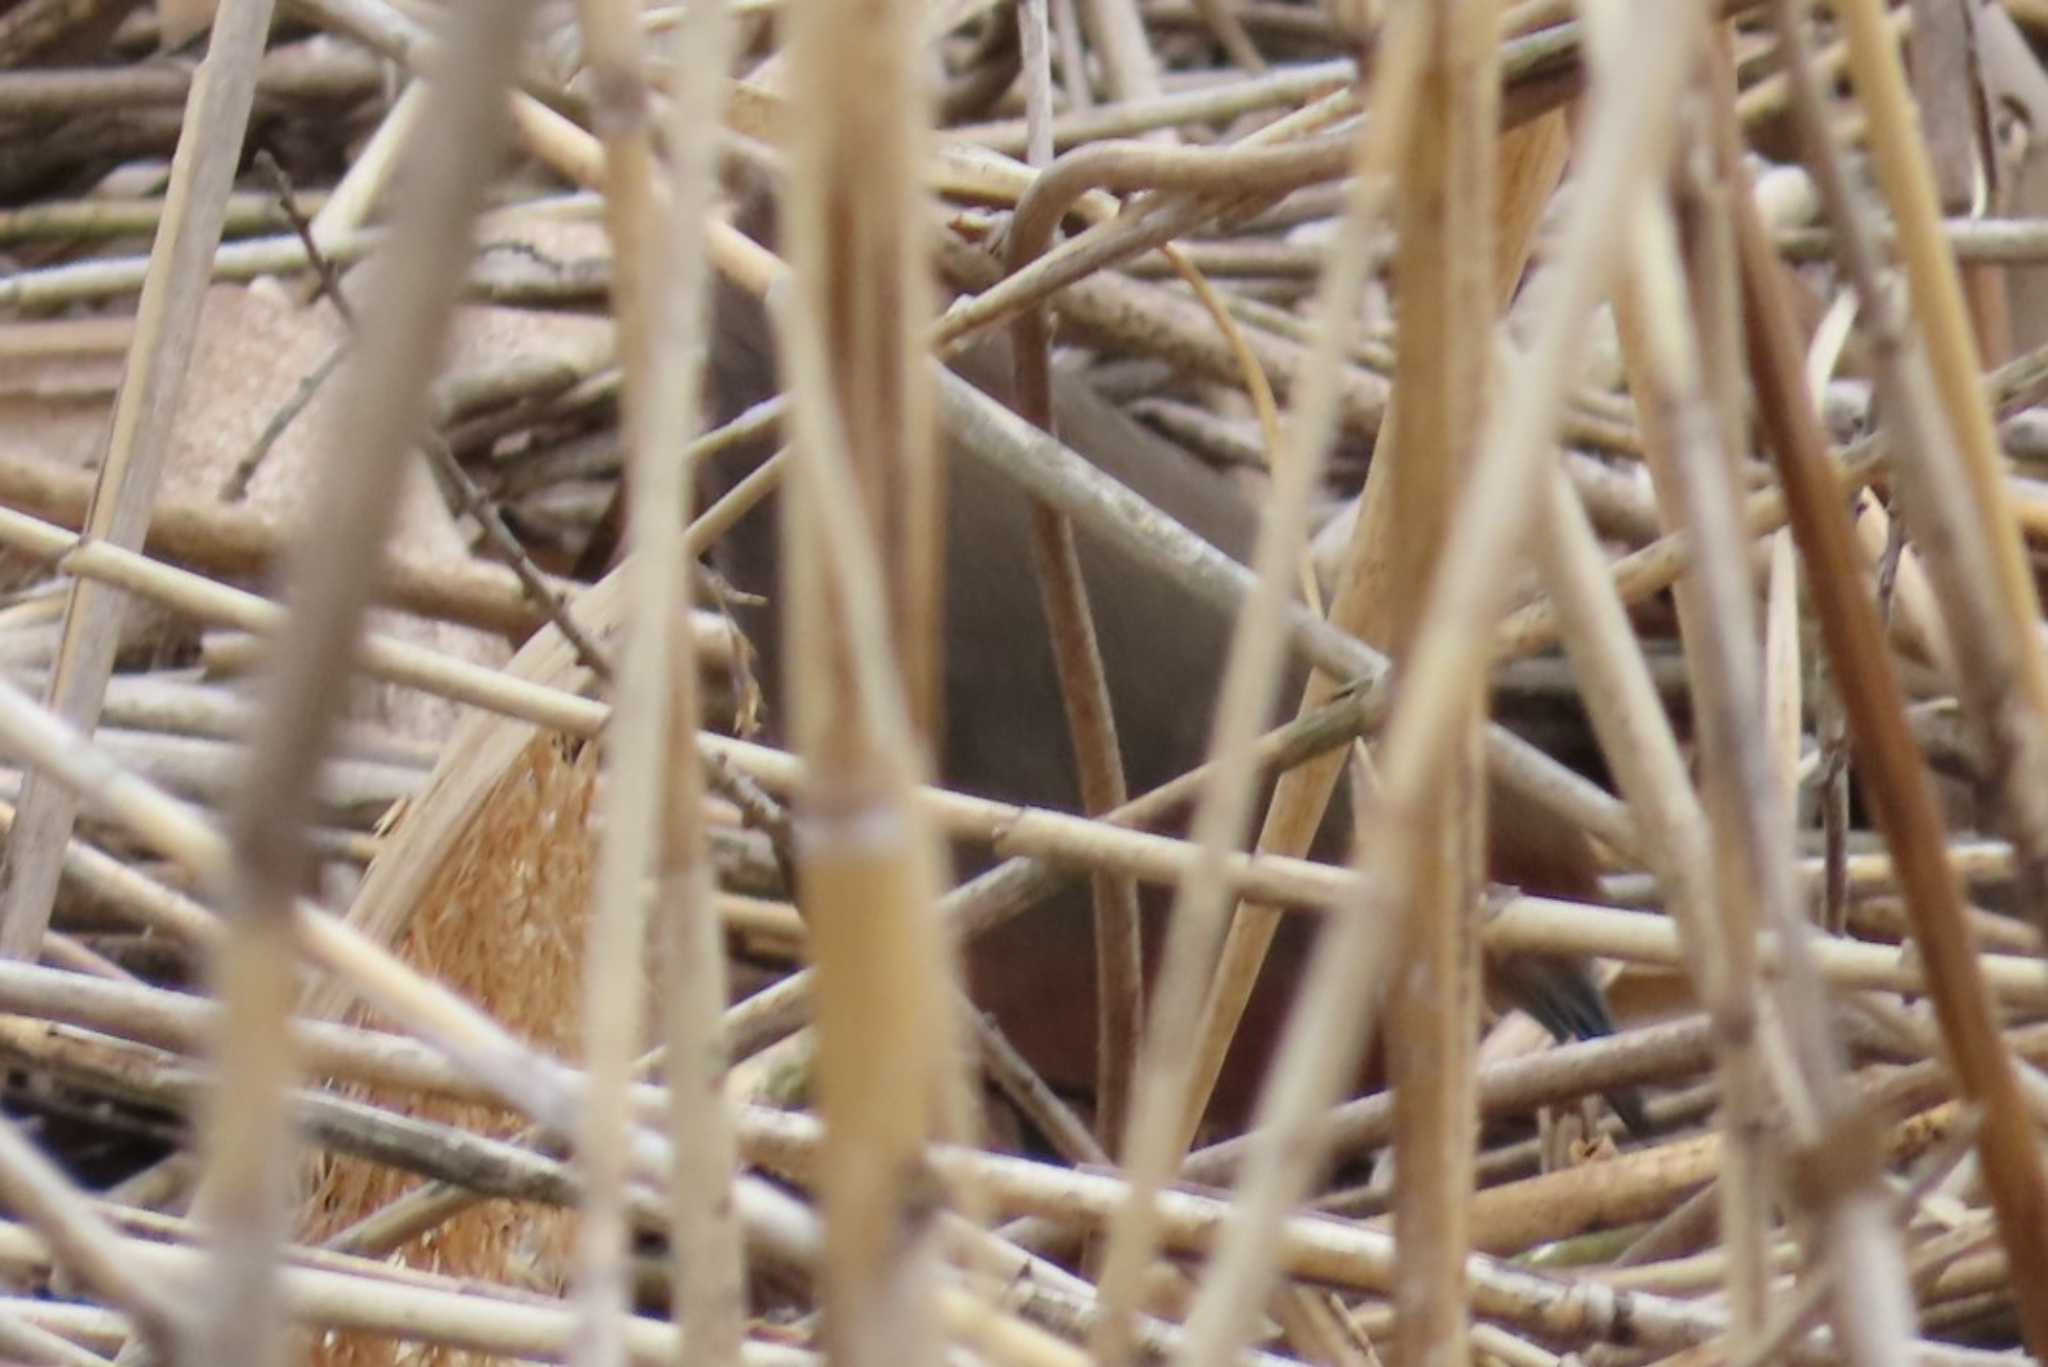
(437, 921)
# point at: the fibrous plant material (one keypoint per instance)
(1532, 399)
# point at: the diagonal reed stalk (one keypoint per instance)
(167, 323)
(1898, 784)
(328, 590)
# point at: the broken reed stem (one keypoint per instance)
(167, 323)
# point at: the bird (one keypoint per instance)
(1004, 732)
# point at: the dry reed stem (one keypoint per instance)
(1897, 780)
(860, 537)
(1130, 68)
(1754, 828)
(490, 1325)
(383, 657)
(1629, 134)
(1297, 804)
(1270, 156)
(1998, 624)
(248, 1139)
(534, 1084)
(84, 1244)
(708, 1273)
(866, 880)
(1290, 1127)
(179, 1023)
(2009, 389)
(1636, 737)
(173, 1022)
(1445, 274)
(1287, 87)
(1155, 1138)
(614, 982)
(167, 322)
(1513, 1087)
(1664, 325)
(1077, 659)
(1341, 1253)
(235, 543)
(348, 207)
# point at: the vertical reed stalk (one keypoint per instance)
(866, 477)
(1444, 276)
(1084, 689)
(708, 1271)
(1681, 411)
(614, 984)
